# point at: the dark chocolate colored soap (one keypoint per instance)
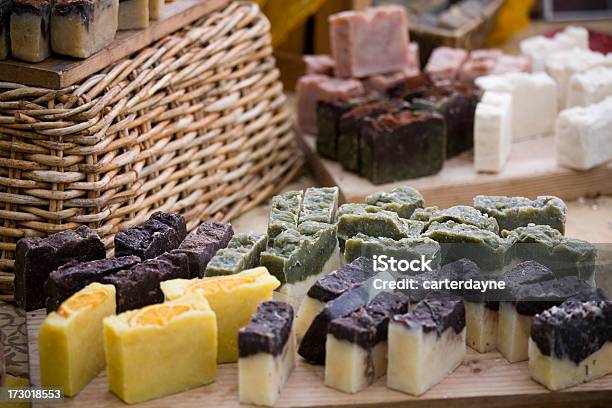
(331, 286)
(74, 276)
(174, 221)
(328, 124)
(269, 330)
(410, 88)
(437, 313)
(36, 258)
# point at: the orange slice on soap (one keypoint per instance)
(158, 315)
(80, 301)
(210, 286)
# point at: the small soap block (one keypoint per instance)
(251, 287)
(319, 64)
(70, 341)
(133, 14)
(402, 200)
(284, 213)
(30, 30)
(155, 9)
(511, 63)
(381, 84)
(479, 63)
(267, 353)
(401, 146)
(6, 8)
(589, 87)
(571, 344)
(539, 48)
(411, 87)
(493, 132)
(241, 253)
(72, 277)
(424, 214)
(161, 349)
(36, 258)
(357, 38)
(582, 139)
(426, 344)
(463, 214)
(514, 212)
(320, 205)
(445, 62)
(328, 124)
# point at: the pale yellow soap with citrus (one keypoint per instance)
(70, 341)
(234, 299)
(161, 349)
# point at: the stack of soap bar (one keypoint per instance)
(589, 87)
(133, 14)
(30, 30)
(329, 114)
(155, 8)
(514, 212)
(356, 346)
(36, 258)
(479, 63)
(583, 136)
(534, 100)
(511, 63)
(493, 132)
(357, 38)
(539, 48)
(571, 344)
(426, 344)
(80, 28)
(319, 64)
(404, 145)
(161, 349)
(70, 278)
(6, 8)
(242, 252)
(233, 298)
(267, 353)
(70, 342)
(445, 62)
(463, 214)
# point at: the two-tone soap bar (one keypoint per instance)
(242, 252)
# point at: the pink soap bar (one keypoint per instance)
(512, 63)
(314, 88)
(319, 64)
(415, 58)
(370, 42)
(445, 62)
(379, 84)
(479, 63)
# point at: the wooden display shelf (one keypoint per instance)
(483, 380)
(57, 72)
(531, 171)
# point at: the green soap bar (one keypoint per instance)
(284, 212)
(464, 214)
(320, 204)
(514, 212)
(402, 200)
(405, 248)
(242, 252)
(424, 214)
(487, 249)
(328, 124)
(370, 220)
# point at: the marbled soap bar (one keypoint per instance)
(328, 124)
(402, 200)
(284, 213)
(514, 212)
(463, 214)
(320, 205)
(6, 8)
(30, 30)
(242, 252)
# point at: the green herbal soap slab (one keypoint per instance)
(284, 212)
(320, 204)
(464, 214)
(402, 200)
(242, 252)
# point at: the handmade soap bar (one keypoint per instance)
(511, 63)
(80, 28)
(251, 287)
(133, 14)
(70, 341)
(72, 277)
(36, 258)
(493, 132)
(411, 87)
(514, 212)
(356, 346)
(328, 124)
(6, 8)
(402, 200)
(284, 213)
(241, 253)
(583, 136)
(161, 349)
(319, 64)
(30, 30)
(589, 87)
(479, 63)
(539, 48)
(404, 145)
(267, 353)
(571, 344)
(445, 62)
(381, 84)
(356, 38)
(320, 205)
(463, 214)
(155, 8)
(424, 214)
(426, 344)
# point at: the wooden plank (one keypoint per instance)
(531, 171)
(482, 381)
(57, 72)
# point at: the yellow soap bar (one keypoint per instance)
(161, 349)
(233, 298)
(70, 340)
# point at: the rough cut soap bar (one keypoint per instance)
(6, 8)
(284, 213)
(511, 63)
(320, 64)
(133, 14)
(30, 30)
(70, 341)
(373, 41)
(328, 124)
(479, 63)
(589, 87)
(241, 253)
(445, 62)
(402, 200)
(320, 205)
(539, 48)
(493, 132)
(463, 214)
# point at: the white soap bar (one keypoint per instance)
(30, 30)
(492, 131)
(155, 8)
(539, 48)
(481, 326)
(584, 136)
(133, 14)
(513, 333)
(534, 101)
(589, 87)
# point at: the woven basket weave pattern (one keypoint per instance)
(196, 123)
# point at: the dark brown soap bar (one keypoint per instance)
(74, 276)
(328, 124)
(437, 312)
(411, 87)
(269, 330)
(36, 258)
(202, 244)
(174, 221)
(401, 146)
(331, 286)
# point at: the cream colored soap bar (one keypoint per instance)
(70, 340)
(155, 8)
(161, 349)
(79, 28)
(133, 14)
(233, 298)
(30, 30)
(481, 325)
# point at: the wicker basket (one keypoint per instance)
(196, 123)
